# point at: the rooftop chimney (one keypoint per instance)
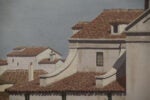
(147, 3)
(30, 72)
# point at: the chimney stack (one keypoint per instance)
(30, 72)
(147, 4)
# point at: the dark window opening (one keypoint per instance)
(12, 60)
(115, 28)
(63, 96)
(99, 58)
(27, 97)
(17, 64)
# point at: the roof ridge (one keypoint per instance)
(121, 9)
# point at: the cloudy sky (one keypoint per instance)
(48, 22)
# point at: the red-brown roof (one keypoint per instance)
(26, 51)
(100, 27)
(3, 62)
(79, 25)
(19, 76)
(79, 82)
(48, 61)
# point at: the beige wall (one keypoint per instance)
(87, 60)
(24, 62)
(69, 97)
(16, 97)
(46, 54)
(3, 68)
(138, 68)
(44, 97)
(86, 55)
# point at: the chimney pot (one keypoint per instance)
(147, 3)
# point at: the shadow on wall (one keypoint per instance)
(120, 66)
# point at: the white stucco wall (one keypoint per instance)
(44, 97)
(46, 54)
(75, 31)
(24, 62)
(3, 68)
(86, 56)
(86, 98)
(121, 28)
(50, 67)
(16, 97)
(87, 59)
(47, 67)
(138, 70)
(69, 97)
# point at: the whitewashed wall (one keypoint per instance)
(16, 97)
(47, 97)
(87, 60)
(47, 67)
(50, 67)
(24, 62)
(138, 68)
(3, 68)
(86, 56)
(35, 97)
(46, 54)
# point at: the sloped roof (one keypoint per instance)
(19, 76)
(26, 51)
(79, 25)
(134, 22)
(48, 61)
(3, 62)
(100, 27)
(83, 82)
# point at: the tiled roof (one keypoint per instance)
(48, 61)
(100, 27)
(3, 62)
(4, 96)
(19, 76)
(26, 51)
(79, 82)
(79, 25)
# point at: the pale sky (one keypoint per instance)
(49, 22)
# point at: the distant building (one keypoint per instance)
(113, 47)
(22, 57)
(95, 65)
(25, 64)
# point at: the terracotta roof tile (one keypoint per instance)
(100, 27)
(3, 62)
(4, 96)
(79, 82)
(19, 76)
(79, 25)
(26, 51)
(48, 61)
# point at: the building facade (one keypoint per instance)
(104, 53)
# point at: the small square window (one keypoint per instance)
(99, 58)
